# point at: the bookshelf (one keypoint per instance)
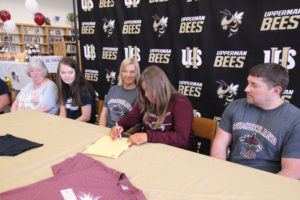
(66, 48)
(62, 48)
(43, 36)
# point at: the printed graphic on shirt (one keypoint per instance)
(124, 187)
(118, 108)
(29, 100)
(87, 196)
(68, 194)
(251, 145)
(69, 105)
(252, 141)
(257, 129)
(152, 122)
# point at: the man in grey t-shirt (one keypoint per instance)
(262, 130)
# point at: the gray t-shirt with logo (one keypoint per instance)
(119, 102)
(261, 137)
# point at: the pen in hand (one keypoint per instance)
(118, 128)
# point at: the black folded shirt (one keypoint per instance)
(11, 145)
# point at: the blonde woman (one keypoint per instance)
(166, 115)
(121, 98)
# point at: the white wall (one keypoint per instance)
(50, 8)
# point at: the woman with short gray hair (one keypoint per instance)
(40, 94)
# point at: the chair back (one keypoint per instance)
(99, 105)
(204, 127)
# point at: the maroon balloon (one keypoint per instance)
(5, 15)
(39, 18)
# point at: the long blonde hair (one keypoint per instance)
(159, 87)
(128, 61)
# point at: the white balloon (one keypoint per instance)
(31, 5)
(9, 26)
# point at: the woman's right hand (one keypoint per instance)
(114, 133)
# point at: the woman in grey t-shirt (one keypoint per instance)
(121, 98)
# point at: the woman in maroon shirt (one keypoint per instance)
(166, 115)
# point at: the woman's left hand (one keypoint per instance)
(138, 138)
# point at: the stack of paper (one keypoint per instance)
(105, 146)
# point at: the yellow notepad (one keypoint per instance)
(105, 146)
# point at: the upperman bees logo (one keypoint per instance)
(110, 76)
(89, 51)
(109, 53)
(189, 88)
(282, 56)
(280, 20)
(157, 1)
(87, 5)
(191, 57)
(231, 59)
(91, 75)
(160, 24)
(132, 27)
(231, 22)
(192, 24)
(160, 56)
(108, 26)
(133, 3)
(88, 28)
(106, 3)
(227, 91)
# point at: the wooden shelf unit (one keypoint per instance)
(64, 48)
(44, 36)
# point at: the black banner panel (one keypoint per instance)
(206, 47)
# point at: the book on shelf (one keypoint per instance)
(51, 32)
(8, 39)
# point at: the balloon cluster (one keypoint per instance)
(33, 7)
(8, 26)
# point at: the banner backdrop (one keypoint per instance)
(206, 47)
